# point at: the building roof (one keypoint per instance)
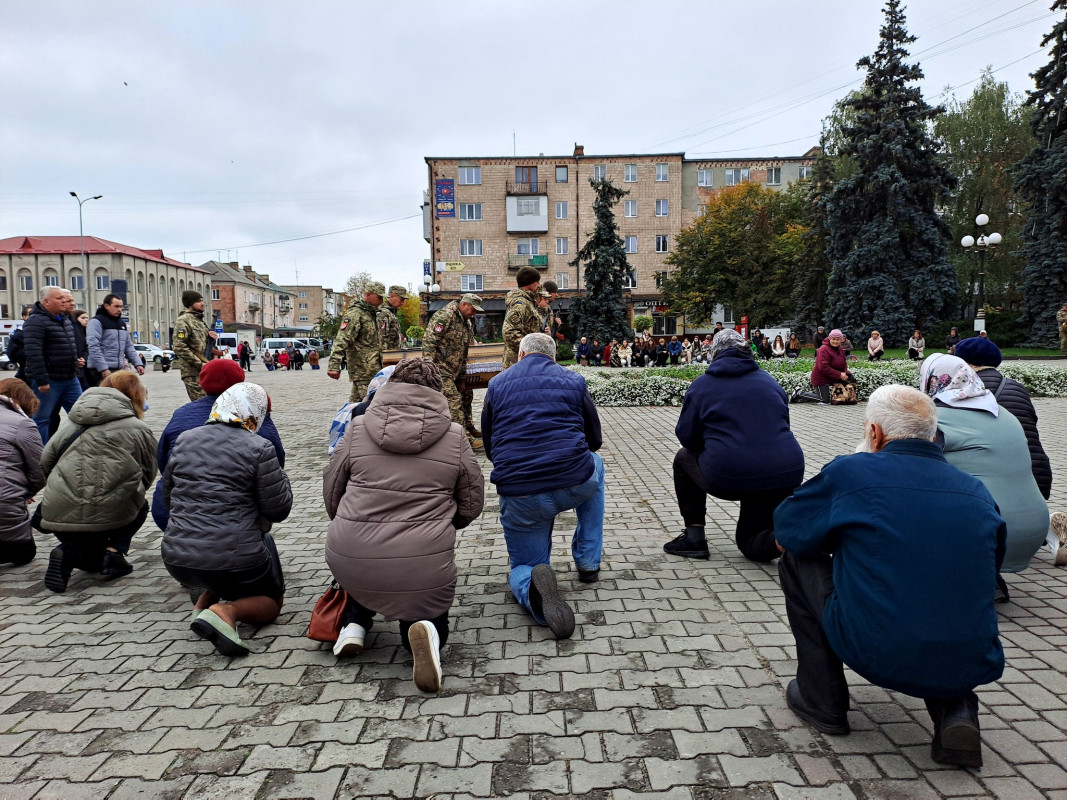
(542, 157)
(226, 273)
(63, 245)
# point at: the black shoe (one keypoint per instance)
(588, 575)
(957, 736)
(690, 544)
(59, 569)
(797, 705)
(545, 600)
(115, 565)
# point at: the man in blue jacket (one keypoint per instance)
(541, 431)
(890, 562)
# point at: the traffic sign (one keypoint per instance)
(155, 334)
(218, 326)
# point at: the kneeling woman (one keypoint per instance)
(397, 487)
(99, 465)
(224, 488)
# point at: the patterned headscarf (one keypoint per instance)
(725, 339)
(381, 377)
(950, 380)
(243, 404)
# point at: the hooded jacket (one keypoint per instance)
(735, 418)
(20, 471)
(398, 485)
(51, 347)
(99, 482)
(109, 343)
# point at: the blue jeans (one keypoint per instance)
(59, 393)
(528, 519)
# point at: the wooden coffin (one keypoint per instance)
(483, 361)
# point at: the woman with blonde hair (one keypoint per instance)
(98, 465)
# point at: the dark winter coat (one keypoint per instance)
(20, 471)
(735, 419)
(398, 485)
(185, 418)
(224, 487)
(1014, 397)
(829, 364)
(51, 347)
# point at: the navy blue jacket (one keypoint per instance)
(674, 348)
(585, 350)
(51, 347)
(539, 427)
(186, 417)
(735, 418)
(916, 544)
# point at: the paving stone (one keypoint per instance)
(285, 785)
(700, 771)
(151, 767)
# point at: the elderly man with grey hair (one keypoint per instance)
(889, 566)
(541, 431)
(52, 358)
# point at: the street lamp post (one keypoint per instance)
(81, 244)
(982, 243)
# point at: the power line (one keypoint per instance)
(303, 238)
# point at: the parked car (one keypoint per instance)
(151, 352)
(7, 363)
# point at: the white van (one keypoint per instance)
(305, 346)
(228, 342)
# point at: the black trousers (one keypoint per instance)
(88, 548)
(364, 617)
(754, 534)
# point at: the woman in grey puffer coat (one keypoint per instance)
(224, 488)
(399, 484)
(20, 470)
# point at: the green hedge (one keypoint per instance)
(667, 386)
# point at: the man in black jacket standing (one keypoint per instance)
(52, 355)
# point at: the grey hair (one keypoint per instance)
(725, 339)
(538, 343)
(48, 291)
(902, 413)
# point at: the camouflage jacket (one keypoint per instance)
(190, 341)
(521, 316)
(359, 341)
(1061, 318)
(447, 339)
(388, 328)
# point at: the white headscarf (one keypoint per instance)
(243, 404)
(381, 377)
(950, 380)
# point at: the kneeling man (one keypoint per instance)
(541, 431)
(891, 557)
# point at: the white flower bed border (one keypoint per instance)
(623, 387)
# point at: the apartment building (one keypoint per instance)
(485, 218)
(311, 302)
(246, 299)
(151, 282)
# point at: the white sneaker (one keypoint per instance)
(349, 640)
(1057, 524)
(426, 653)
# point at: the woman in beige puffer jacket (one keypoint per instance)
(397, 487)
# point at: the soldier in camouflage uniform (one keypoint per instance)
(1061, 323)
(521, 315)
(388, 323)
(191, 336)
(446, 341)
(359, 341)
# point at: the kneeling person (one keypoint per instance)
(890, 561)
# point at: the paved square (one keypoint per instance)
(672, 686)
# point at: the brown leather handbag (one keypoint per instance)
(327, 614)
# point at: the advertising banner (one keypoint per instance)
(445, 197)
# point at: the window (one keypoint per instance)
(470, 283)
(563, 280)
(528, 247)
(77, 283)
(661, 244)
(805, 172)
(660, 278)
(3, 282)
(303, 306)
(103, 283)
(562, 246)
(727, 314)
(661, 208)
(26, 282)
(629, 173)
(215, 295)
(662, 173)
(302, 294)
(736, 176)
(304, 319)
(704, 177)
(561, 209)
(524, 207)
(629, 208)
(774, 175)
(701, 209)
(600, 172)
(471, 212)
(470, 247)
(470, 176)
(51, 279)
(561, 174)
(631, 244)
(629, 280)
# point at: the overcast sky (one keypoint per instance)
(214, 128)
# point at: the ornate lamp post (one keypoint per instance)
(983, 244)
(81, 243)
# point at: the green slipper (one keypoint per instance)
(208, 625)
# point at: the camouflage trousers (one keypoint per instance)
(459, 404)
(359, 391)
(192, 385)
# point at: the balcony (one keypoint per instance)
(253, 307)
(520, 260)
(533, 187)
